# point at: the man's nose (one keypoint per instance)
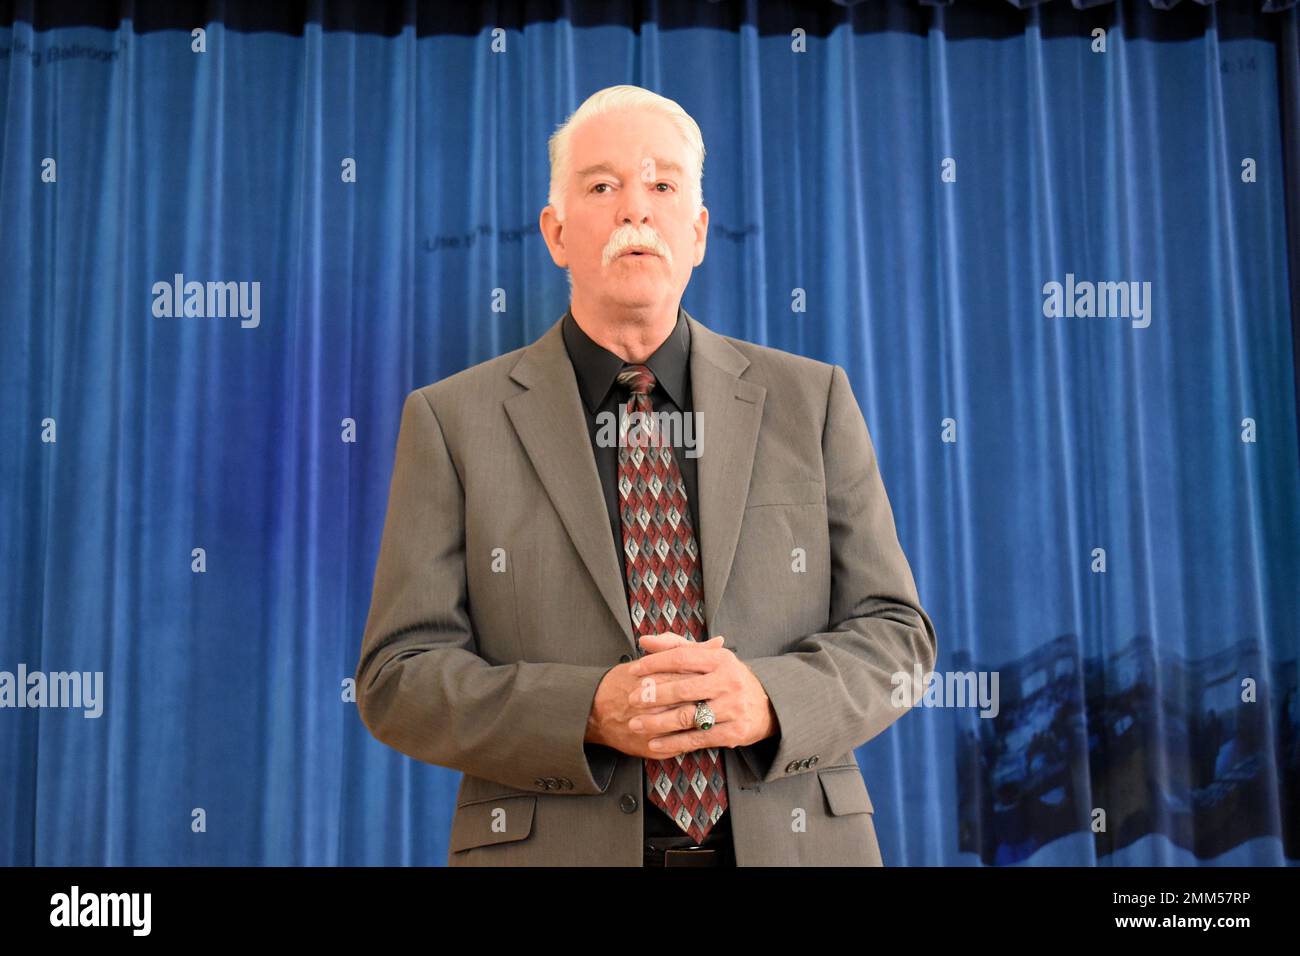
(635, 208)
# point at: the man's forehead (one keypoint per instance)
(659, 163)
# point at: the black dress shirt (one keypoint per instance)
(597, 371)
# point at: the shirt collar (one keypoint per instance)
(597, 368)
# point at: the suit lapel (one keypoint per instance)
(552, 427)
(729, 412)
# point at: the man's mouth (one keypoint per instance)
(637, 252)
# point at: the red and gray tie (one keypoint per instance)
(665, 590)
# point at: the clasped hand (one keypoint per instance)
(646, 707)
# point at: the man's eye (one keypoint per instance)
(669, 185)
(598, 185)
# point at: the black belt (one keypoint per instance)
(716, 850)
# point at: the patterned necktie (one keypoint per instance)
(665, 590)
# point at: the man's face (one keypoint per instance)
(628, 188)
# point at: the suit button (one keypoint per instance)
(552, 783)
(627, 803)
(539, 783)
(792, 766)
(804, 764)
(624, 658)
(566, 783)
(813, 761)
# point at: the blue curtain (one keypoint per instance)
(1103, 511)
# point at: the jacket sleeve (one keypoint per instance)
(835, 690)
(421, 686)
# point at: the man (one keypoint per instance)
(640, 582)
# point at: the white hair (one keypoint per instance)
(624, 97)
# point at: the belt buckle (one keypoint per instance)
(693, 855)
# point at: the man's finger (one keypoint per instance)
(685, 689)
(691, 656)
(687, 741)
(653, 643)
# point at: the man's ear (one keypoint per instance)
(701, 226)
(552, 228)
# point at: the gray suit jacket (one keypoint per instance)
(498, 606)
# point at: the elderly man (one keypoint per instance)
(638, 581)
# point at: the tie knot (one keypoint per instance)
(638, 378)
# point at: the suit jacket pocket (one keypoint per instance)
(846, 791)
(490, 820)
(786, 493)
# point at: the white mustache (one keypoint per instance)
(630, 237)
